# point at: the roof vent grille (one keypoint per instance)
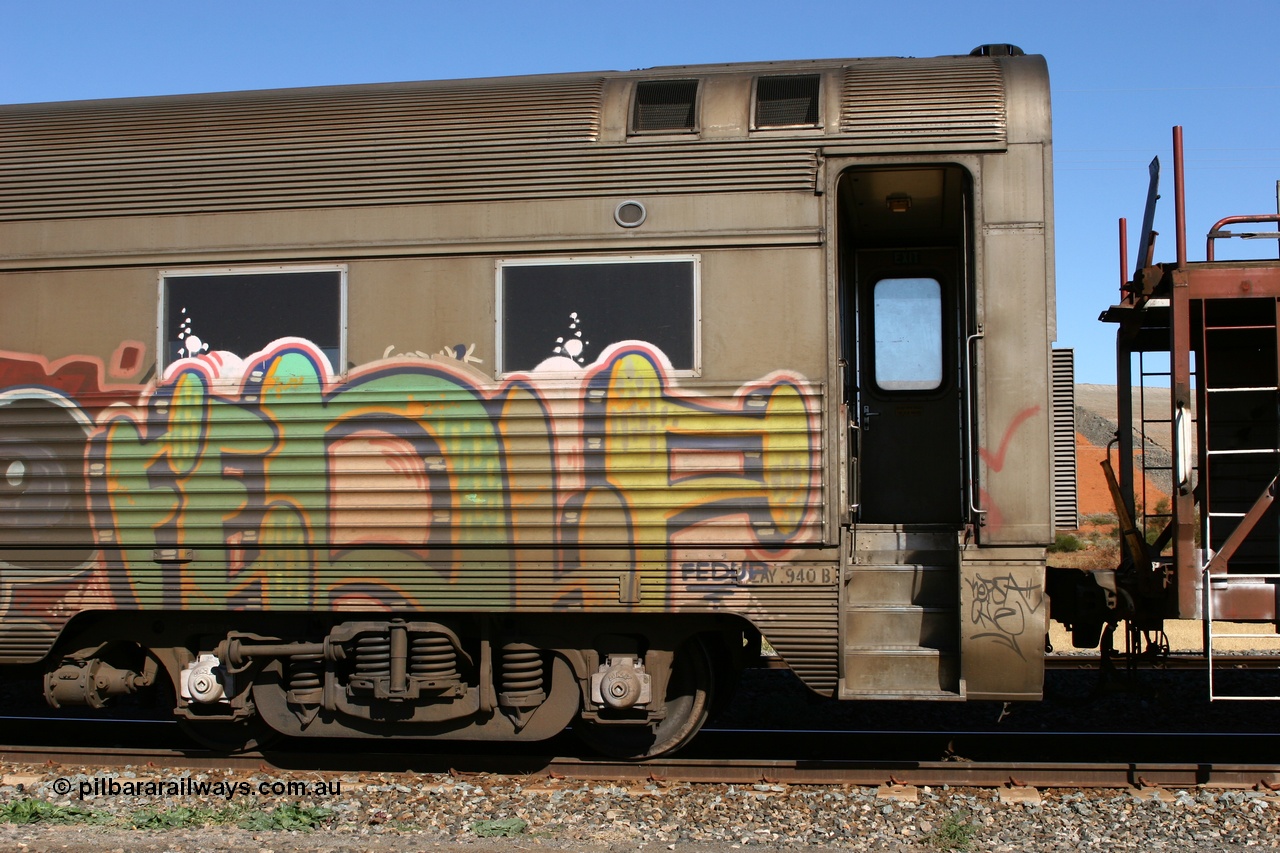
(790, 101)
(665, 105)
(997, 50)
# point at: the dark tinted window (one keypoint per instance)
(244, 312)
(576, 310)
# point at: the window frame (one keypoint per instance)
(162, 310)
(694, 260)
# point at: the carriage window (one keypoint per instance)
(572, 311)
(244, 312)
(908, 334)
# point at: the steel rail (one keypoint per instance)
(1091, 660)
(1178, 662)
(967, 774)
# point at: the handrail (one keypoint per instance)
(968, 415)
(1216, 232)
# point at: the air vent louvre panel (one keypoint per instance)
(669, 105)
(787, 101)
(899, 102)
(1065, 498)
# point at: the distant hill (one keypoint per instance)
(1096, 416)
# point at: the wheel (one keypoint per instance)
(689, 693)
(230, 737)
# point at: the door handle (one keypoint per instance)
(867, 415)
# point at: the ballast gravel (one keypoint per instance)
(163, 810)
(141, 810)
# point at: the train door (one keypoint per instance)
(905, 305)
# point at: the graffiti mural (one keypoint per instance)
(1001, 609)
(269, 482)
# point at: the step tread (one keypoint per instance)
(944, 695)
(887, 558)
(900, 650)
(924, 566)
(895, 606)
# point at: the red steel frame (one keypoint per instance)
(1184, 284)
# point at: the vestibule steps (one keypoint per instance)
(899, 616)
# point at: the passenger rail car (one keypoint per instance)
(477, 409)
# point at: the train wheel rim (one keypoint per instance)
(689, 694)
(230, 737)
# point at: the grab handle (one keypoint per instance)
(968, 419)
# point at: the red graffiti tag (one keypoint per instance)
(996, 462)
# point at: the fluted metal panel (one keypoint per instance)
(441, 175)
(895, 102)
(799, 620)
(416, 144)
(808, 641)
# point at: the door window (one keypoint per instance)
(907, 317)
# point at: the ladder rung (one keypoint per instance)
(1236, 390)
(1249, 452)
(1271, 636)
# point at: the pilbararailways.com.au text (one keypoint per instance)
(187, 787)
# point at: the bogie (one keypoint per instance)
(472, 678)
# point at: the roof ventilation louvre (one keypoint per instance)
(788, 101)
(665, 105)
(997, 50)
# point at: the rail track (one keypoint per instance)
(1186, 662)
(957, 759)
(1074, 739)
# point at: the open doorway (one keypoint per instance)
(905, 306)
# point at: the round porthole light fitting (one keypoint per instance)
(630, 214)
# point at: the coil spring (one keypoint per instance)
(521, 669)
(433, 657)
(306, 672)
(373, 656)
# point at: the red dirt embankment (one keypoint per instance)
(1092, 495)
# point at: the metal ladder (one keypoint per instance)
(1272, 638)
(1239, 523)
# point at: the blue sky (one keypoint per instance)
(1123, 72)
